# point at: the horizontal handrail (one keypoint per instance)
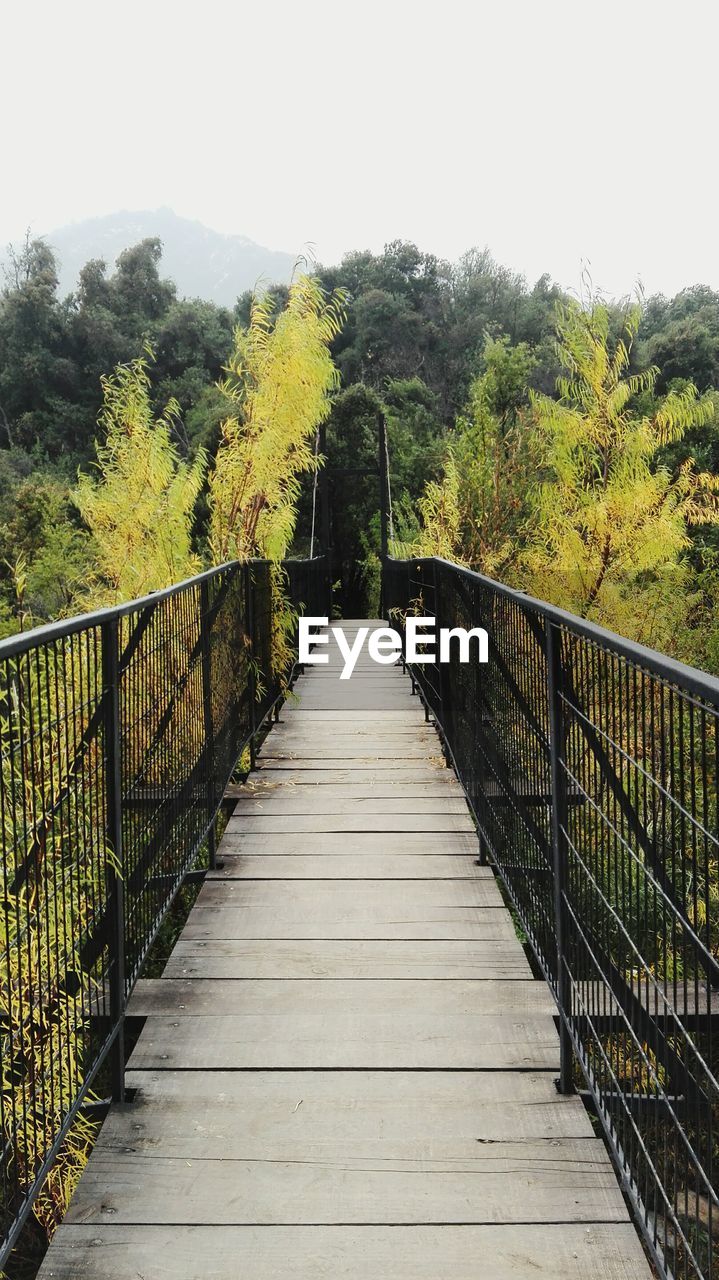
(62, 627)
(693, 679)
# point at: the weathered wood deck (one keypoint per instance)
(347, 1069)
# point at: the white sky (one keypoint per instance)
(551, 131)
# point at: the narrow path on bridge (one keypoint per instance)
(347, 1069)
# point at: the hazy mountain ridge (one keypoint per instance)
(203, 263)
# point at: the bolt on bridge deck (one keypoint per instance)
(347, 1068)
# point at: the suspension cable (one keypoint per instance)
(314, 494)
(389, 489)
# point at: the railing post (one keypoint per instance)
(479, 796)
(325, 523)
(445, 689)
(557, 731)
(383, 504)
(251, 678)
(208, 722)
(113, 836)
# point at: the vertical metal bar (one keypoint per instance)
(208, 722)
(251, 679)
(480, 801)
(383, 486)
(383, 506)
(325, 525)
(445, 691)
(113, 832)
(557, 732)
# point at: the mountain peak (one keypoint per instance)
(203, 263)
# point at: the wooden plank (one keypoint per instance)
(502, 1182)
(351, 772)
(440, 1112)
(385, 897)
(356, 1039)
(361, 673)
(302, 785)
(293, 713)
(398, 723)
(340, 866)
(275, 823)
(304, 739)
(187, 998)
(402, 738)
(361, 748)
(332, 801)
(436, 1252)
(421, 921)
(237, 958)
(352, 843)
(416, 729)
(350, 726)
(426, 769)
(358, 699)
(335, 697)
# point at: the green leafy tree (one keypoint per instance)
(681, 337)
(38, 377)
(43, 552)
(191, 344)
(415, 433)
(353, 492)
(475, 507)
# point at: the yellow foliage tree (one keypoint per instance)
(610, 524)
(440, 517)
(277, 390)
(139, 510)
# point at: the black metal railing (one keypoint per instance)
(119, 731)
(591, 765)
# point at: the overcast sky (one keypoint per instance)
(553, 132)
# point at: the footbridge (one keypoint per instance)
(444, 1003)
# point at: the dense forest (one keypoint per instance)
(509, 407)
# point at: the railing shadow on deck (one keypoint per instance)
(591, 765)
(119, 731)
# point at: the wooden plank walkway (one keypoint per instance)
(347, 1069)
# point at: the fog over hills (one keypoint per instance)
(203, 263)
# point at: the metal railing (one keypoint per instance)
(591, 765)
(119, 731)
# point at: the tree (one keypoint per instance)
(397, 313)
(681, 336)
(43, 552)
(475, 507)
(139, 296)
(139, 511)
(490, 452)
(610, 526)
(353, 492)
(277, 391)
(415, 434)
(38, 377)
(191, 344)
(439, 518)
